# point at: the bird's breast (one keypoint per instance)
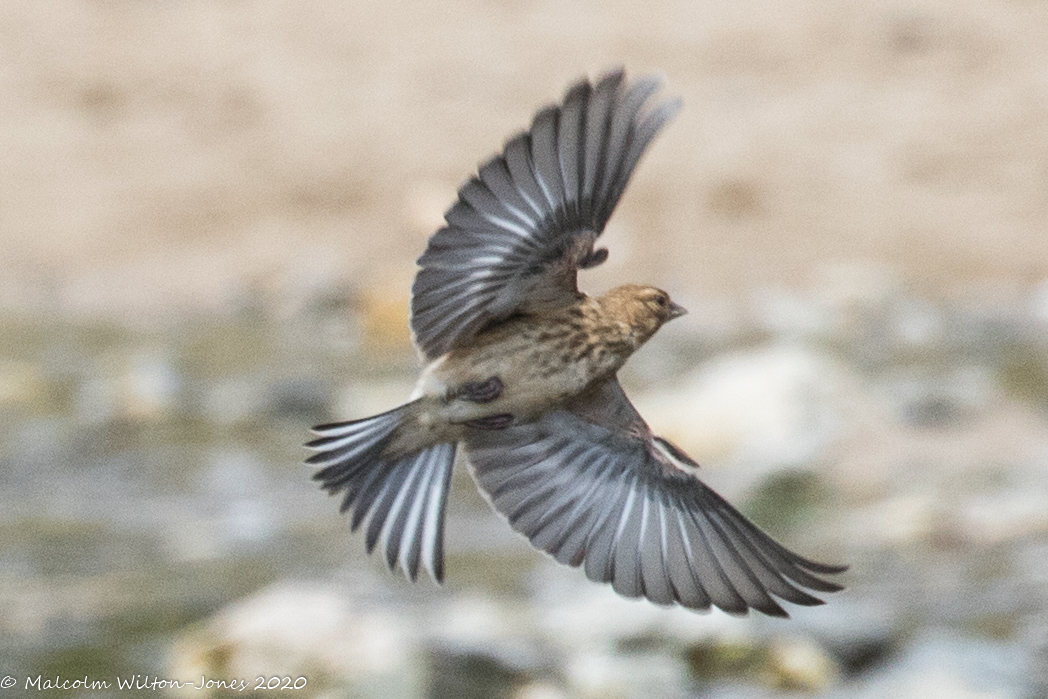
(541, 363)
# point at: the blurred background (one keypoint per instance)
(209, 215)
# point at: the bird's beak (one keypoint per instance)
(676, 311)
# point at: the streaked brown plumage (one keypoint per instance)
(542, 360)
(522, 372)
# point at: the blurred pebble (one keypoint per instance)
(574, 613)
(719, 659)
(769, 408)
(473, 626)
(1005, 515)
(870, 312)
(248, 524)
(233, 473)
(21, 383)
(303, 399)
(799, 664)
(855, 288)
(231, 514)
(540, 690)
(942, 665)
(187, 540)
(793, 663)
(471, 675)
(862, 309)
(918, 323)
(1037, 304)
(613, 647)
(141, 387)
(302, 630)
(789, 315)
(1033, 635)
(319, 295)
(932, 398)
(606, 674)
(895, 521)
(147, 387)
(234, 400)
(96, 401)
(860, 632)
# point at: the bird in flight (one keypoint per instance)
(521, 374)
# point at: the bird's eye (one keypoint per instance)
(661, 301)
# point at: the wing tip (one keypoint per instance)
(826, 568)
(614, 75)
(668, 109)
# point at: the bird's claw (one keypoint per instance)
(479, 391)
(492, 422)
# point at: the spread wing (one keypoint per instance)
(594, 487)
(527, 222)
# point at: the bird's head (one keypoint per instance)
(644, 308)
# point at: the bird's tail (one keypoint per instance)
(404, 495)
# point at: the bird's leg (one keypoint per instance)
(478, 391)
(491, 422)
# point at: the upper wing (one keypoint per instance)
(527, 222)
(592, 486)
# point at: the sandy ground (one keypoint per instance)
(176, 155)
